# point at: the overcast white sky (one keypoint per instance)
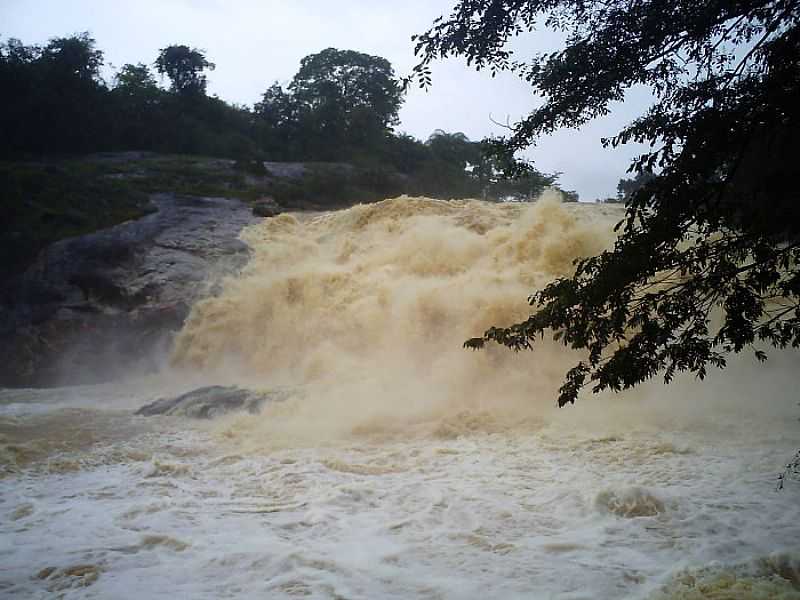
(256, 42)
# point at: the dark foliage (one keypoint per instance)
(707, 259)
(790, 472)
(344, 100)
(341, 106)
(54, 102)
(184, 66)
(627, 187)
(42, 203)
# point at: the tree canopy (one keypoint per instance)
(706, 262)
(345, 98)
(50, 95)
(342, 105)
(185, 68)
(345, 81)
(627, 187)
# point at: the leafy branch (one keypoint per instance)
(706, 262)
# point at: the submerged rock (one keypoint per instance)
(212, 401)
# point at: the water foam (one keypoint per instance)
(401, 465)
(367, 310)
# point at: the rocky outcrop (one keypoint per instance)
(266, 207)
(100, 306)
(212, 401)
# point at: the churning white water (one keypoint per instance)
(401, 466)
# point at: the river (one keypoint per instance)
(401, 465)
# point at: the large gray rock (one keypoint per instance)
(210, 402)
(100, 306)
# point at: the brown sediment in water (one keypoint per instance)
(400, 464)
(60, 440)
(774, 577)
(630, 503)
(367, 309)
(75, 576)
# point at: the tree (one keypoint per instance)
(185, 68)
(52, 99)
(276, 122)
(73, 58)
(406, 153)
(718, 229)
(19, 87)
(73, 110)
(626, 187)
(136, 98)
(276, 106)
(499, 179)
(345, 98)
(135, 79)
(455, 148)
(448, 169)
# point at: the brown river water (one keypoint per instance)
(401, 465)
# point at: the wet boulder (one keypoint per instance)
(212, 401)
(266, 207)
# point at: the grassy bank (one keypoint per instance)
(46, 201)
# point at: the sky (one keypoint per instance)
(257, 42)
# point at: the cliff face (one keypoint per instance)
(100, 306)
(85, 297)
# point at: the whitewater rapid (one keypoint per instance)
(403, 466)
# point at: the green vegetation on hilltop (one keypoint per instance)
(341, 106)
(43, 203)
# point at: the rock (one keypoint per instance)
(286, 170)
(212, 401)
(96, 307)
(266, 207)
